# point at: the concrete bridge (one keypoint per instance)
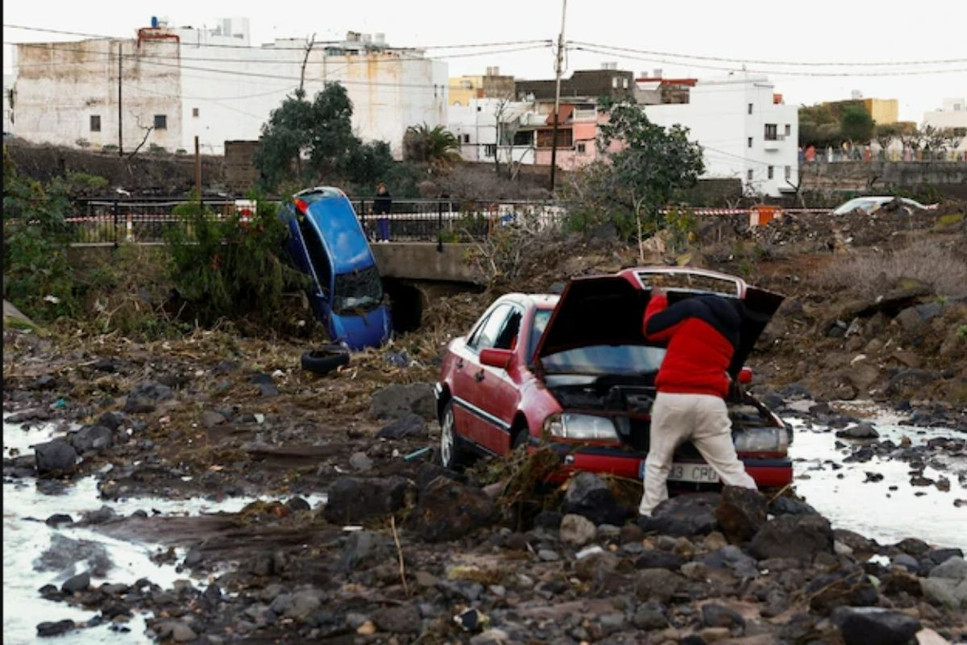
(426, 262)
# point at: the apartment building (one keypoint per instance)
(171, 84)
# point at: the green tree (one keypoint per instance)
(304, 141)
(818, 126)
(651, 166)
(36, 275)
(436, 146)
(223, 267)
(856, 124)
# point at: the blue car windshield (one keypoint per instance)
(357, 291)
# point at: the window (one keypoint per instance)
(489, 330)
(490, 150)
(750, 108)
(788, 173)
(748, 174)
(772, 132)
(614, 82)
(95, 123)
(581, 148)
(624, 83)
(788, 130)
(318, 257)
(160, 121)
(770, 172)
(466, 138)
(194, 112)
(750, 142)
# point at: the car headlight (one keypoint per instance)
(580, 426)
(762, 440)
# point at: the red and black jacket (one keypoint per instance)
(702, 333)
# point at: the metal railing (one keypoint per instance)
(146, 221)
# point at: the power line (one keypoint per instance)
(778, 72)
(777, 62)
(274, 48)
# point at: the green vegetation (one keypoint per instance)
(223, 267)
(436, 146)
(310, 143)
(649, 167)
(36, 276)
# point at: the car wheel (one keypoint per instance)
(521, 438)
(325, 359)
(453, 452)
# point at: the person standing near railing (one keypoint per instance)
(381, 208)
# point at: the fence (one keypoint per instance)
(110, 222)
(146, 221)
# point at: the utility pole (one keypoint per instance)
(120, 129)
(557, 92)
(197, 168)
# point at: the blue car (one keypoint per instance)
(327, 242)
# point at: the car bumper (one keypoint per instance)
(766, 472)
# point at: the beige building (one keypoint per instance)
(464, 89)
(883, 111)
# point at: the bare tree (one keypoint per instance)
(302, 74)
(147, 133)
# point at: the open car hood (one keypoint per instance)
(609, 309)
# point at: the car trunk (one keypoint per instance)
(608, 310)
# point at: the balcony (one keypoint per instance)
(774, 143)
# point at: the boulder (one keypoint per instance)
(793, 536)
(355, 499)
(658, 584)
(862, 625)
(859, 431)
(947, 583)
(55, 457)
(741, 513)
(577, 530)
(686, 515)
(447, 510)
(363, 548)
(843, 587)
(92, 437)
(146, 396)
(397, 401)
(588, 495)
(402, 619)
(716, 615)
(410, 425)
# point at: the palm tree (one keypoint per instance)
(436, 146)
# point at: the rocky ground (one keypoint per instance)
(480, 557)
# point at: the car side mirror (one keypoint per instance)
(496, 357)
(745, 375)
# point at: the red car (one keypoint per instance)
(575, 372)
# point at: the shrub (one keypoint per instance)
(867, 275)
(224, 268)
(36, 276)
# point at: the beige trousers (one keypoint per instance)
(701, 418)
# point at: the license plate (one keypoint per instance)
(681, 472)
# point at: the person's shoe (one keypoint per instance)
(645, 522)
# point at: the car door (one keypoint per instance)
(495, 395)
(468, 416)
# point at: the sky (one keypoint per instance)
(812, 52)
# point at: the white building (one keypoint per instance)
(179, 83)
(744, 128)
(8, 80)
(953, 115)
(489, 127)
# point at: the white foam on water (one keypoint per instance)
(24, 540)
(870, 508)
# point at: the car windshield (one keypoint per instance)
(357, 291)
(605, 359)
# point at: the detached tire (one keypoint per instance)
(325, 359)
